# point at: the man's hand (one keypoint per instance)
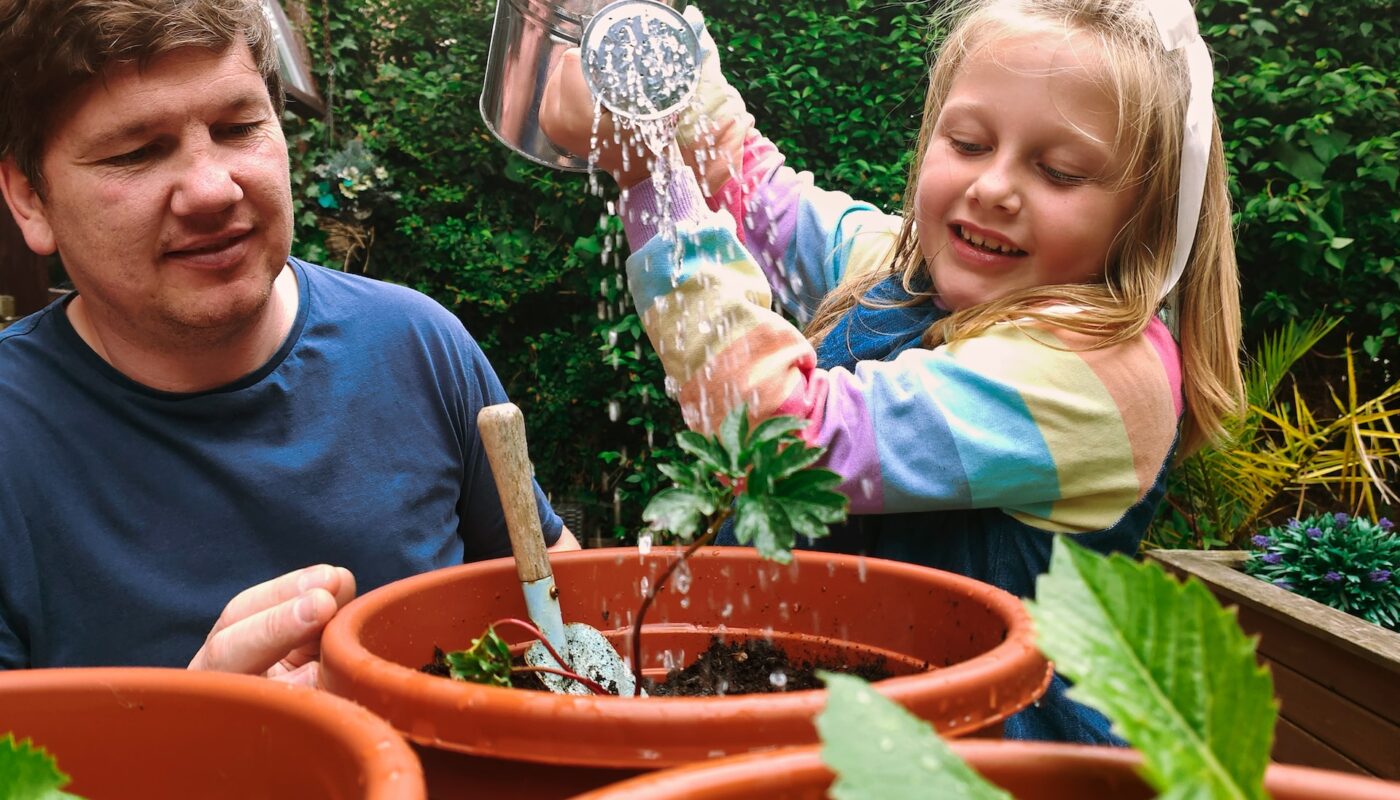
(274, 628)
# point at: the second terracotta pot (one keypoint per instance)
(149, 734)
(975, 641)
(1028, 770)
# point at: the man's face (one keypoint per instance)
(167, 196)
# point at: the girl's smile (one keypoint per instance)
(1020, 185)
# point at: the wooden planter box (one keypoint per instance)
(1337, 677)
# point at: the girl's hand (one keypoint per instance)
(711, 131)
(566, 117)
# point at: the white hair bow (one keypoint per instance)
(1176, 23)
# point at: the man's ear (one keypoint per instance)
(27, 208)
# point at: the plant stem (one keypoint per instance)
(709, 536)
(538, 634)
(591, 685)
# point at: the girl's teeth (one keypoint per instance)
(988, 244)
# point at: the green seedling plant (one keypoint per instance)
(488, 659)
(28, 772)
(1159, 658)
(762, 477)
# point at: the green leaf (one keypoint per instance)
(759, 523)
(791, 459)
(28, 772)
(774, 429)
(679, 510)
(879, 751)
(707, 450)
(732, 433)
(486, 661)
(1163, 661)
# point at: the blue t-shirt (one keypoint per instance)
(129, 517)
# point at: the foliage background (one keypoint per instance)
(528, 259)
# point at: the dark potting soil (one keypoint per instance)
(725, 668)
(753, 666)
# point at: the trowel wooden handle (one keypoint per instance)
(503, 432)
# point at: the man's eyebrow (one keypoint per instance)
(141, 128)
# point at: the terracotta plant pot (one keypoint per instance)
(165, 733)
(1028, 770)
(976, 638)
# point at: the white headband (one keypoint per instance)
(1176, 22)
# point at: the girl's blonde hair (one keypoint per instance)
(1151, 86)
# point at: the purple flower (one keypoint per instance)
(1271, 558)
(1260, 540)
(1385, 524)
(1283, 584)
(1314, 533)
(1379, 575)
(1341, 519)
(1332, 576)
(1294, 523)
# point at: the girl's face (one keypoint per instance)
(1019, 186)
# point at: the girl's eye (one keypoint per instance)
(969, 148)
(1061, 177)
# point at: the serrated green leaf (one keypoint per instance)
(791, 459)
(775, 429)
(755, 524)
(879, 751)
(732, 433)
(1166, 663)
(486, 661)
(679, 510)
(28, 772)
(706, 450)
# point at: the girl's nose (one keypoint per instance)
(995, 188)
(205, 186)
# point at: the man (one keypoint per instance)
(205, 412)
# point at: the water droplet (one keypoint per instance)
(886, 744)
(778, 678)
(614, 410)
(644, 543)
(860, 568)
(727, 611)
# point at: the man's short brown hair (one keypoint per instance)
(51, 48)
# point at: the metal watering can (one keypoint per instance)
(640, 57)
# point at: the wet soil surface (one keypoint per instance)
(751, 666)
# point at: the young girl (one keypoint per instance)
(990, 370)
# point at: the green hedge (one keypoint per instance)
(1307, 93)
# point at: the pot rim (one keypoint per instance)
(802, 764)
(391, 768)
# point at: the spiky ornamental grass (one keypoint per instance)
(1349, 563)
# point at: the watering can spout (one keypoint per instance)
(628, 43)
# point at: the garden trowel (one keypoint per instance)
(587, 652)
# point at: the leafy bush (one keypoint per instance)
(1307, 97)
(1349, 563)
(1284, 453)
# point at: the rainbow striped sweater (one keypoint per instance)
(1022, 419)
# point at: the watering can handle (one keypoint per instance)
(502, 429)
